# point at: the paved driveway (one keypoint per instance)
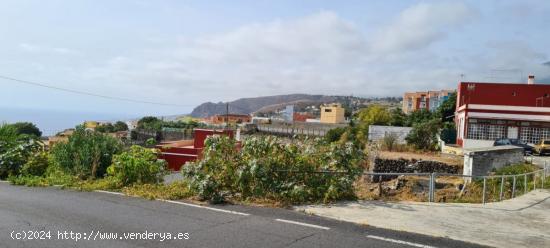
(519, 222)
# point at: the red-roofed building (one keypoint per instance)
(489, 111)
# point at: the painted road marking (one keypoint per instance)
(183, 203)
(399, 241)
(205, 207)
(302, 224)
(109, 192)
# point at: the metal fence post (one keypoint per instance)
(484, 187)
(433, 186)
(542, 179)
(514, 187)
(524, 183)
(534, 180)
(430, 188)
(544, 175)
(501, 188)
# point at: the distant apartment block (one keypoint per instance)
(333, 114)
(429, 100)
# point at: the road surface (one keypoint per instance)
(66, 218)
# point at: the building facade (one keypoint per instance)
(333, 114)
(489, 111)
(429, 100)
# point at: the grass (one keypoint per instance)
(175, 191)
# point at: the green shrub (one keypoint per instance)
(424, 135)
(87, 154)
(267, 168)
(36, 165)
(138, 165)
(335, 134)
(15, 150)
(107, 183)
(28, 180)
(390, 141)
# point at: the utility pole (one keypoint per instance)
(227, 115)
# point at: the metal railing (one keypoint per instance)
(530, 181)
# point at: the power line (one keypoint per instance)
(89, 93)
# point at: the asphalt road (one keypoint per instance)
(37, 212)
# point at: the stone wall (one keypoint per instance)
(410, 166)
(481, 161)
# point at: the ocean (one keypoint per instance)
(52, 121)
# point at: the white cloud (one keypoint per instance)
(420, 25)
(33, 48)
(320, 53)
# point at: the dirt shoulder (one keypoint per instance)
(448, 159)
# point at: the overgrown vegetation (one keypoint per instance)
(266, 168)
(15, 149)
(155, 124)
(111, 128)
(173, 191)
(427, 126)
(87, 154)
(138, 165)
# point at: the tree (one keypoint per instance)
(446, 110)
(149, 123)
(105, 128)
(27, 128)
(120, 126)
(374, 115)
(418, 116)
(397, 117)
(424, 134)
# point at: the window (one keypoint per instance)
(485, 131)
(328, 110)
(534, 135)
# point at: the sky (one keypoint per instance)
(189, 52)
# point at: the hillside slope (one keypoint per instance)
(265, 103)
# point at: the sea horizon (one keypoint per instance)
(51, 122)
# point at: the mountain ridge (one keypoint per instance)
(255, 104)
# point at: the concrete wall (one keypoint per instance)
(472, 143)
(481, 161)
(377, 133)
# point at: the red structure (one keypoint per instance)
(489, 111)
(177, 153)
(302, 117)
